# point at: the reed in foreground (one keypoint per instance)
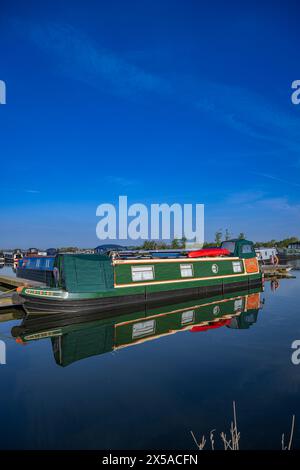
(232, 441)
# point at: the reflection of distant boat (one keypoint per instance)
(79, 336)
(276, 270)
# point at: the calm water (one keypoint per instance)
(7, 270)
(152, 393)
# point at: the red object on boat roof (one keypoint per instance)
(217, 324)
(208, 252)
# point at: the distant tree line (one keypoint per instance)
(176, 243)
(278, 243)
(220, 236)
(223, 236)
(180, 243)
(68, 249)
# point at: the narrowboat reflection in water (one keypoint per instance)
(78, 337)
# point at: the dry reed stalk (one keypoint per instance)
(233, 443)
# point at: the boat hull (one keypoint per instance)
(37, 275)
(49, 305)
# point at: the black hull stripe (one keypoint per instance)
(96, 305)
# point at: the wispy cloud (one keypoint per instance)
(263, 203)
(277, 178)
(244, 197)
(82, 59)
(239, 108)
(121, 181)
(279, 205)
(18, 190)
(249, 113)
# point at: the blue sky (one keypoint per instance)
(160, 101)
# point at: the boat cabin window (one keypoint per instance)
(237, 267)
(230, 246)
(247, 249)
(144, 328)
(187, 317)
(38, 262)
(186, 270)
(142, 273)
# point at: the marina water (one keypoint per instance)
(152, 394)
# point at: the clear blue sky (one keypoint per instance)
(163, 101)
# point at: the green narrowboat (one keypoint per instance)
(93, 282)
(78, 337)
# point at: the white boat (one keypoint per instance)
(12, 257)
(267, 255)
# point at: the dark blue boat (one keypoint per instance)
(37, 268)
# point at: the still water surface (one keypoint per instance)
(108, 385)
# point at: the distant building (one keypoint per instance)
(101, 249)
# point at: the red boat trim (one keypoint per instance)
(208, 252)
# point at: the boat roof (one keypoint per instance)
(149, 253)
(239, 240)
(168, 253)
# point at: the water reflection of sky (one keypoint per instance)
(154, 393)
(6, 271)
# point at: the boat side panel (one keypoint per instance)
(171, 271)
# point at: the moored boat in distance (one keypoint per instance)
(36, 268)
(99, 281)
(12, 257)
(290, 252)
(32, 252)
(107, 248)
(267, 255)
